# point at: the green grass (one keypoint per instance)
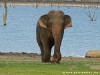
(28, 67)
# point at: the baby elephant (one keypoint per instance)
(49, 31)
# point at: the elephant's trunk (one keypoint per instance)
(57, 31)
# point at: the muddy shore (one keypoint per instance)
(37, 57)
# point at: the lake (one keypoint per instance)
(19, 35)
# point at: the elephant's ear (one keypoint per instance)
(43, 21)
(67, 21)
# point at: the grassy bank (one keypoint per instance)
(30, 67)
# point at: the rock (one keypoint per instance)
(93, 54)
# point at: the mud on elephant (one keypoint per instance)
(49, 31)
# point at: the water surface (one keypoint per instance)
(19, 35)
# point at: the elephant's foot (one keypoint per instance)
(56, 58)
(46, 59)
(55, 62)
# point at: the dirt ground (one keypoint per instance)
(21, 56)
(37, 57)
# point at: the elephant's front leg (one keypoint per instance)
(56, 56)
(47, 54)
(46, 51)
(58, 35)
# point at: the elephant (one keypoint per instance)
(49, 32)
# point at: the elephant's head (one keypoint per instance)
(55, 17)
(56, 21)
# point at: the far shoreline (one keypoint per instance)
(49, 4)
